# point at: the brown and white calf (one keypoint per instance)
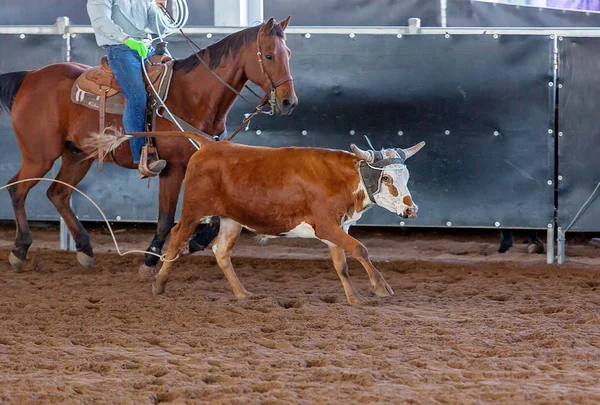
(289, 192)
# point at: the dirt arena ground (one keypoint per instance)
(466, 325)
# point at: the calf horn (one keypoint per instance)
(361, 154)
(413, 149)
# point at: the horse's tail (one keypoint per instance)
(10, 83)
(110, 139)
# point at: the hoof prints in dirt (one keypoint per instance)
(510, 333)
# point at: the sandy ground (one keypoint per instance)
(466, 325)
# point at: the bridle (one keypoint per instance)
(272, 86)
(269, 98)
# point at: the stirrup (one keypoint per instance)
(145, 172)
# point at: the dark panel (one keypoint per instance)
(45, 12)
(378, 85)
(423, 86)
(35, 51)
(354, 12)
(465, 13)
(579, 146)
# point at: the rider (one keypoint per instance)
(120, 27)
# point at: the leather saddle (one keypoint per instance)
(100, 79)
(98, 83)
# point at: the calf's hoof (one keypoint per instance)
(147, 272)
(383, 289)
(244, 295)
(158, 288)
(356, 299)
(15, 262)
(85, 260)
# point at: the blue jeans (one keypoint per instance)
(126, 65)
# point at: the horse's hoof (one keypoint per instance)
(535, 248)
(147, 272)
(85, 260)
(15, 262)
(158, 288)
(504, 248)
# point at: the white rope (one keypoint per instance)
(170, 27)
(161, 257)
(164, 105)
(401, 166)
(583, 207)
(181, 17)
(369, 142)
(390, 167)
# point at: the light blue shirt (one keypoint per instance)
(114, 20)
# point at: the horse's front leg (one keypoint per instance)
(204, 235)
(170, 181)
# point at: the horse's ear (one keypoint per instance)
(285, 22)
(269, 25)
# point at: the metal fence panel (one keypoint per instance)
(465, 13)
(579, 143)
(27, 53)
(421, 87)
(354, 12)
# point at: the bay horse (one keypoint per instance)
(48, 125)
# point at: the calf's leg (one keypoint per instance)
(341, 266)
(229, 233)
(334, 234)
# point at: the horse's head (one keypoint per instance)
(269, 66)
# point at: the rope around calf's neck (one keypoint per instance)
(112, 234)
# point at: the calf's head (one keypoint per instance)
(385, 177)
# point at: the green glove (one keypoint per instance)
(137, 46)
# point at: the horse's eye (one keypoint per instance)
(269, 57)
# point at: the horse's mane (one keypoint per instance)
(230, 45)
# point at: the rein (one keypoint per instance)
(269, 98)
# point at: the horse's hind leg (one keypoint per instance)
(18, 194)
(73, 169)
